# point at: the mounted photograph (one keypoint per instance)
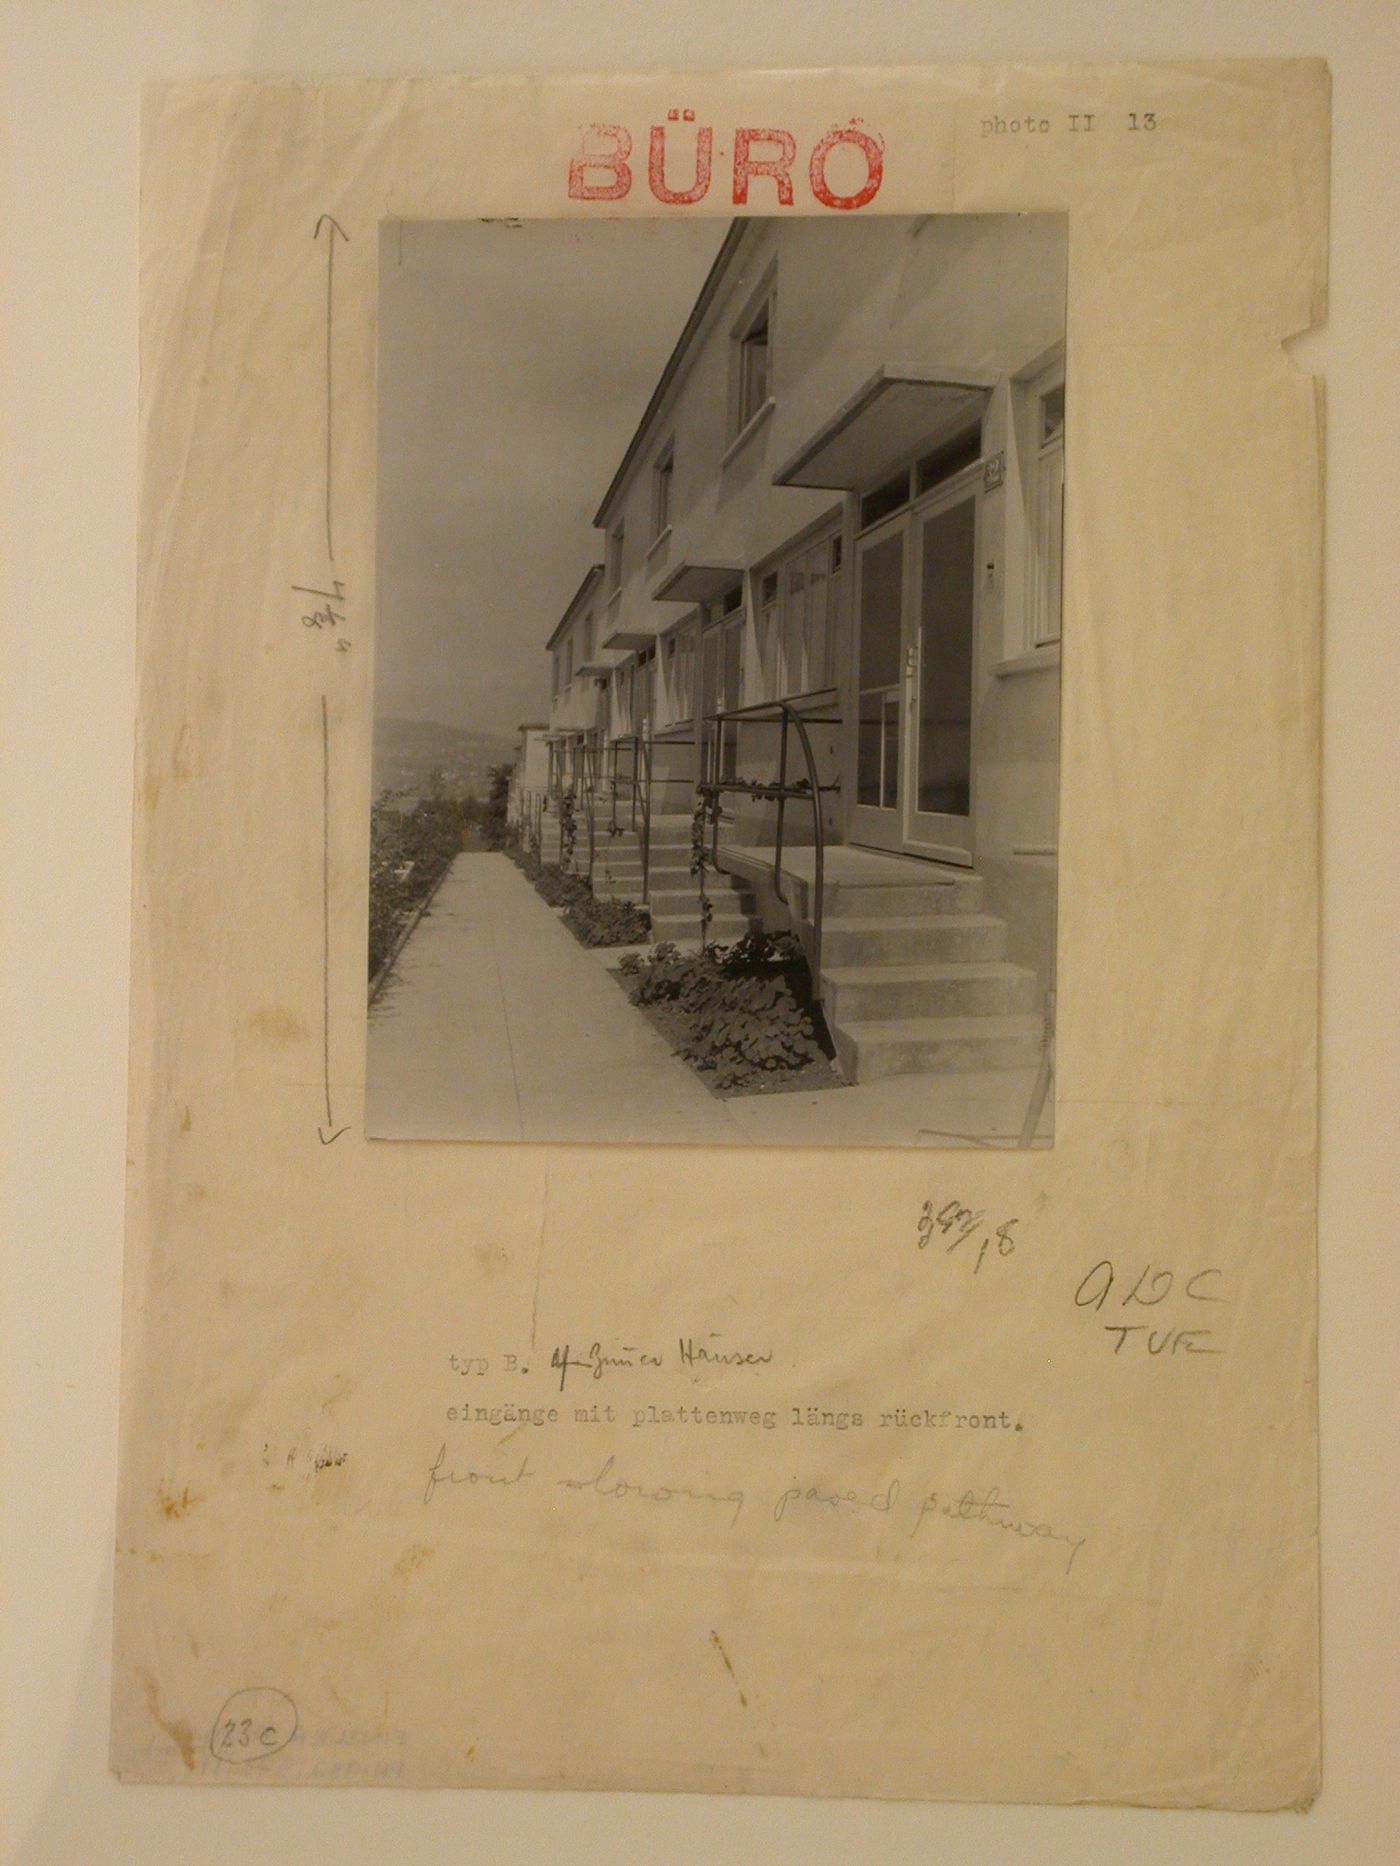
(717, 681)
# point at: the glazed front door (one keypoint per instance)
(878, 815)
(916, 621)
(939, 706)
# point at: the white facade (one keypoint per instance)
(847, 493)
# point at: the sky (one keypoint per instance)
(515, 362)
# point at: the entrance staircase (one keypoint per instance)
(673, 893)
(915, 978)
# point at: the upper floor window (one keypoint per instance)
(614, 558)
(663, 479)
(586, 642)
(751, 372)
(753, 368)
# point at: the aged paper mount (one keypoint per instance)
(748, 1470)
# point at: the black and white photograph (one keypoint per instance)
(717, 681)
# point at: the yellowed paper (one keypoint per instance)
(892, 1472)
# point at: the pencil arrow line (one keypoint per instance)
(335, 1132)
(329, 221)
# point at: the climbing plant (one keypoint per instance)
(705, 814)
(568, 829)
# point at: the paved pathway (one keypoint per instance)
(498, 1025)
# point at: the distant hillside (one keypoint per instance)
(408, 752)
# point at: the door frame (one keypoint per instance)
(903, 828)
(941, 836)
(880, 826)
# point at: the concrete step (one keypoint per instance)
(950, 894)
(616, 891)
(911, 939)
(869, 1049)
(951, 989)
(660, 878)
(726, 895)
(685, 928)
(675, 832)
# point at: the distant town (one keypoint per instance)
(421, 760)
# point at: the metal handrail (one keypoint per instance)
(759, 709)
(782, 713)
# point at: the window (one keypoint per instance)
(614, 558)
(751, 374)
(884, 499)
(586, 649)
(753, 369)
(677, 676)
(556, 681)
(663, 478)
(567, 666)
(766, 634)
(949, 458)
(622, 699)
(796, 620)
(1046, 513)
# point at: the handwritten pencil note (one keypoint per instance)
(786, 1468)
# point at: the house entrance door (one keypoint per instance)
(878, 815)
(916, 617)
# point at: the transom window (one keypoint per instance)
(941, 463)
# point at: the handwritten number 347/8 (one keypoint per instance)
(961, 1224)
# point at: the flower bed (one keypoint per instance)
(591, 921)
(607, 923)
(409, 855)
(743, 1016)
(559, 889)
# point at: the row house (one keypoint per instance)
(530, 777)
(830, 591)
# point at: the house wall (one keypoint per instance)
(981, 294)
(533, 768)
(978, 292)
